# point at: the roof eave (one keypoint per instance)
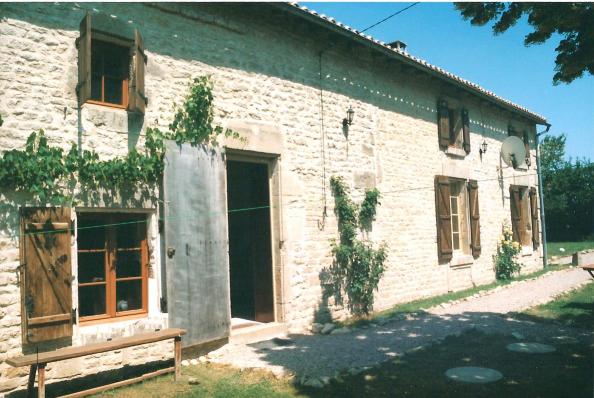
(294, 9)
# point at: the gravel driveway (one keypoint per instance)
(325, 355)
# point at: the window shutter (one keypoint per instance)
(466, 130)
(444, 218)
(475, 225)
(534, 214)
(443, 124)
(527, 147)
(515, 203)
(137, 100)
(46, 284)
(84, 60)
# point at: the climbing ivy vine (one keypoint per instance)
(358, 265)
(50, 174)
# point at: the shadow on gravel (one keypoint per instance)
(414, 354)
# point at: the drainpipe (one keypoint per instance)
(541, 198)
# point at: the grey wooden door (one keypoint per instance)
(197, 260)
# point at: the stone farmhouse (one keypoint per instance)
(285, 79)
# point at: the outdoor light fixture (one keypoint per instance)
(349, 119)
(483, 148)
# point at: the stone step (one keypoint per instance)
(257, 332)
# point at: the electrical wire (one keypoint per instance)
(245, 209)
(390, 16)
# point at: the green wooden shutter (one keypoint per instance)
(46, 284)
(444, 218)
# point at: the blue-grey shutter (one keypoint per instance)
(197, 260)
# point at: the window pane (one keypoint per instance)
(128, 295)
(128, 263)
(456, 241)
(91, 267)
(454, 204)
(130, 232)
(91, 300)
(96, 87)
(455, 224)
(113, 90)
(91, 233)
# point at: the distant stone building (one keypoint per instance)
(284, 79)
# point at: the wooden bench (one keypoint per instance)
(37, 362)
(589, 268)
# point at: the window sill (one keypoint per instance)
(455, 152)
(106, 104)
(461, 260)
(122, 318)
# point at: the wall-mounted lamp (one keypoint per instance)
(347, 121)
(483, 148)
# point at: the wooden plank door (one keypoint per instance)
(196, 245)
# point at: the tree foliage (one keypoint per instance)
(573, 21)
(568, 192)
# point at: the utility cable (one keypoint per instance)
(390, 16)
(246, 209)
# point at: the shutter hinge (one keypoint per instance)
(74, 310)
(161, 226)
(163, 304)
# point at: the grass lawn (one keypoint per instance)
(566, 372)
(575, 308)
(570, 247)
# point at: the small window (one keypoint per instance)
(111, 64)
(456, 137)
(109, 73)
(453, 128)
(112, 265)
(459, 212)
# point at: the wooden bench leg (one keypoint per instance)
(31, 383)
(41, 381)
(177, 358)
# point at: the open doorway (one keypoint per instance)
(250, 248)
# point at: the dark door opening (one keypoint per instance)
(250, 251)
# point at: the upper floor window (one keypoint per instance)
(111, 64)
(109, 73)
(453, 127)
(511, 131)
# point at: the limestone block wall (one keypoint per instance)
(271, 73)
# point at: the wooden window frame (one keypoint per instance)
(114, 41)
(464, 239)
(111, 313)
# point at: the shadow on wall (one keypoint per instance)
(228, 43)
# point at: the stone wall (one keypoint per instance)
(274, 76)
